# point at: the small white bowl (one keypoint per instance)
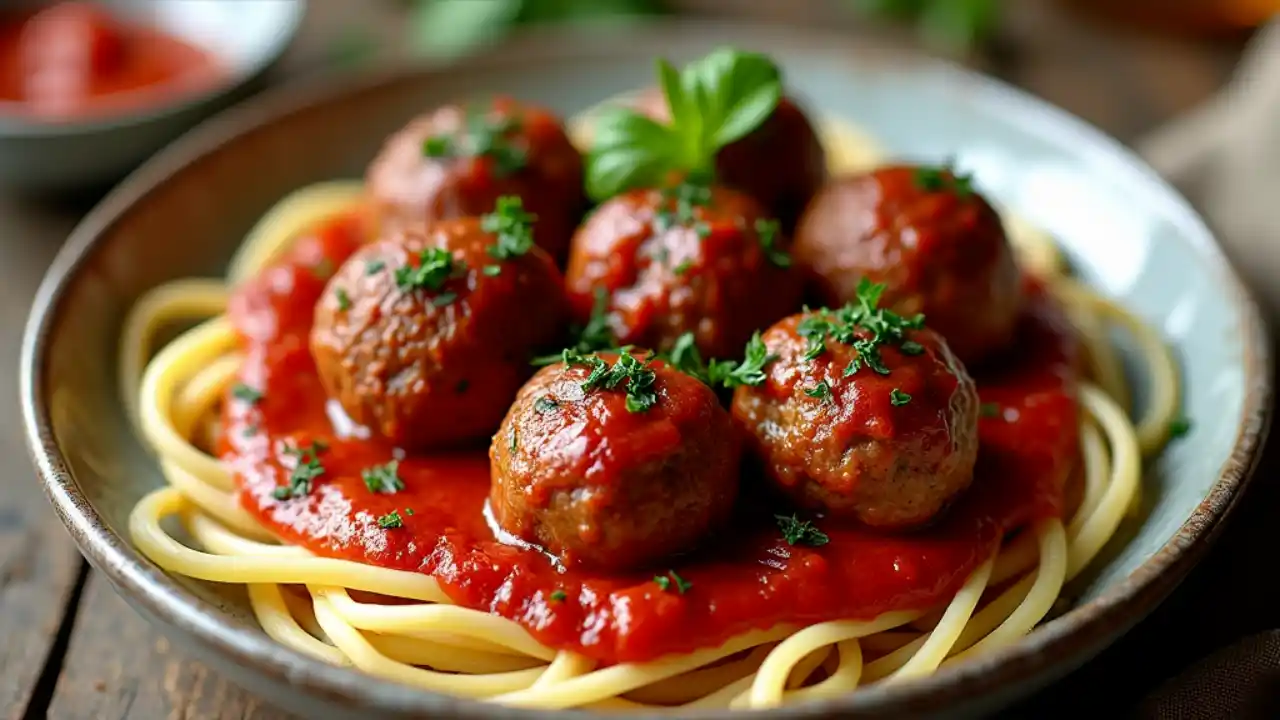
(246, 36)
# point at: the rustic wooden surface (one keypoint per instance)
(69, 648)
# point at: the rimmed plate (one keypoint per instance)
(183, 214)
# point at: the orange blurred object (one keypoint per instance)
(1200, 17)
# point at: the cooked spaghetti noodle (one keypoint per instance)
(333, 609)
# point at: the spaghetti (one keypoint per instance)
(402, 626)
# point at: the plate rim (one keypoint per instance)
(1076, 635)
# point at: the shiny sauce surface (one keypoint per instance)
(745, 577)
(75, 60)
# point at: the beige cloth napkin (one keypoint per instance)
(1225, 157)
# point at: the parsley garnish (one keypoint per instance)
(483, 136)
(767, 233)
(713, 102)
(435, 266)
(665, 581)
(800, 532)
(515, 440)
(307, 469)
(383, 478)
(511, 227)
(1179, 427)
(989, 410)
(545, 404)
(864, 327)
(937, 179)
(558, 595)
(822, 391)
(444, 298)
(374, 266)
(408, 511)
(391, 520)
(897, 398)
(683, 267)
(344, 300)
(250, 430)
(492, 270)
(684, 356)
(240, 391)
(637, 374)
(683, 198)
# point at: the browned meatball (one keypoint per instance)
(886, 434)
(781, 163)
(923, 232)
(605, 478)
(685, 259)
(456, 162)
(425, 337)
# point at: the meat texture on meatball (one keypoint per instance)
(425, 336)
(614, 462)
(457, 160)
(864, 416)
(935, 243)
(781, 163)
(689, 258)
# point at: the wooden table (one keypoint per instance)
(72, 649)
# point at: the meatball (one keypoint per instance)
(683, 259)
(936, 244)
(456, 161)
(861, 421)
(593, 473)
(781, 163)
(425, 337)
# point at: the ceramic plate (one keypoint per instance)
(1124, 229)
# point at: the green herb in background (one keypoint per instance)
(953, 25)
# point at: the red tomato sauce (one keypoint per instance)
(74, 60)
(745, 578)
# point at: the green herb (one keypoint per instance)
(483, 135)
(897, 398)
(408, 511)
(344, 300)
(304, 472)
(391, 520)
(989, 410)
(373, 267)
(683, 267)
(592, 337)
(684, 356)
(435, 266)
(939, 179)
(511, 227)
(952, 26)
(666, 581)
(713, 102)
(444, 298)
(910, 347)
(822, 391)
(240, 391)
(558, 595)
(863, 326)
(251, 431)
(768, 234)
(751, 370)
(1179, 427)
(637, 374)
(383, 478)
(800, 532)
(545, 404)
(515, 441)
(679, 203)
(492, 270)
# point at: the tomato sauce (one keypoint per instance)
(746, 577)
(74, 60)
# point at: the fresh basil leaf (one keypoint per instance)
(680, 104)
(748, 95)
(630, 150)
(446, 28)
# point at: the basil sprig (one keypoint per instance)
(713, 102)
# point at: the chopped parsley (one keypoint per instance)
(511, 227)
(304, 472)
(665, 582)
(383, 478)
(800, 532)
(684, 356)
(989, 410)
(898, 398)
(767, 233)
(637, 374)
(515, 441)
(683, 267)
(492, 270)
(545, 404)
(863, 326)
(251, 431)
(344, 300)
(1179, 427)
(391, 520)
(558, 596)
(483, 136)
(374, 266)
(678, 205)
(444, 298)
(240, 391)
(944, 177)
(435, 266)
(408, 511)
(822, 391)
(592, 337)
